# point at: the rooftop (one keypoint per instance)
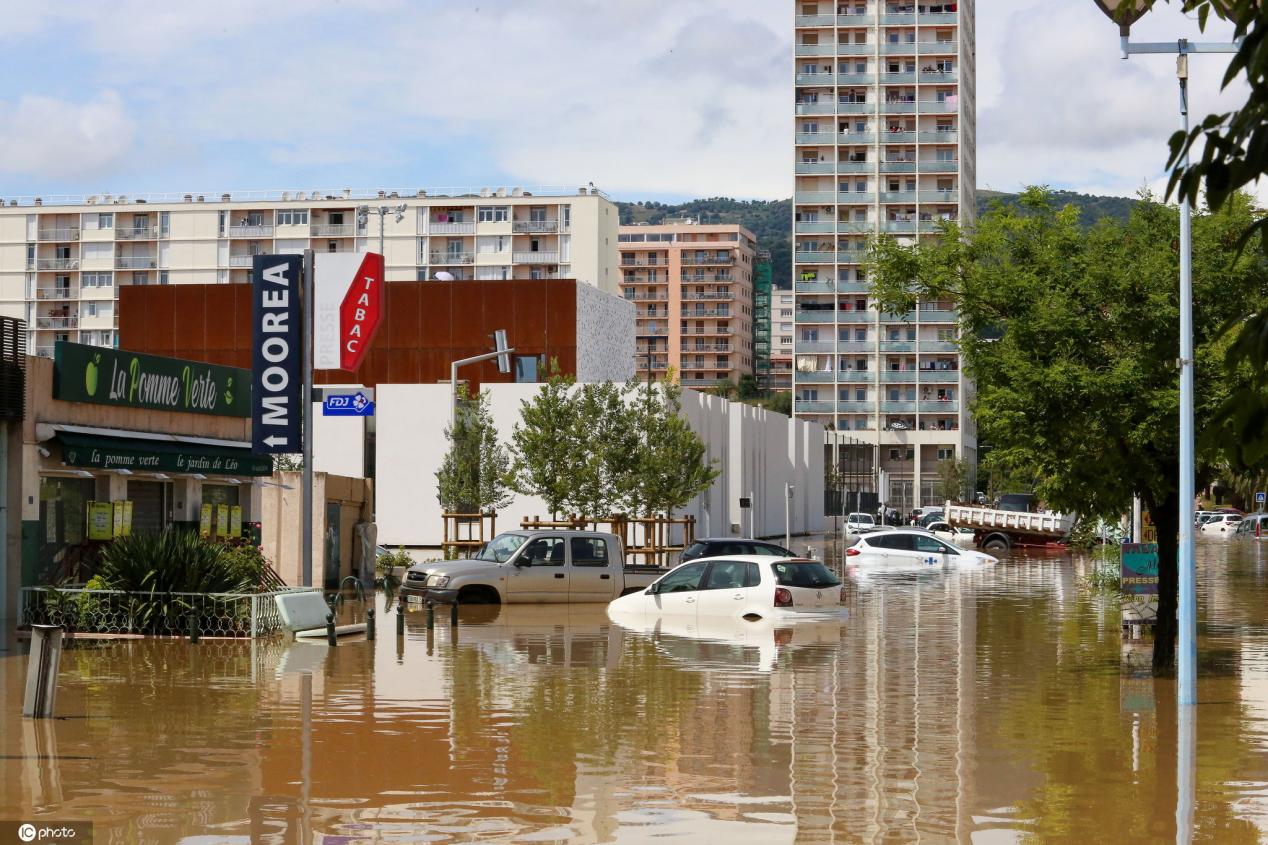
(297, 196)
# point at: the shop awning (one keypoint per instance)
(83, 446)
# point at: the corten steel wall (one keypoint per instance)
(426, 326)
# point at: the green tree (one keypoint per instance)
(472, 477)
(673, 467)
(780, 402)
(748, 389)
(607, 442)
(544, 451)
(1070, 336)
(953, 480)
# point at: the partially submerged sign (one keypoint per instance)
(276, 355)
(1140, 569)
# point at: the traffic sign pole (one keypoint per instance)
(306, 407)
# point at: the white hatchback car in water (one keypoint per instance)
(738, 586)
(909, 550)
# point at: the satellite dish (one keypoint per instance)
(444, 276)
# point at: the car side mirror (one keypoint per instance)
(521, 561)
(653, 589)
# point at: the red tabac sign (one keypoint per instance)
(361, 312)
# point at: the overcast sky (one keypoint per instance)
(646, 98)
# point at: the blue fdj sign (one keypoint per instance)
(347, 405)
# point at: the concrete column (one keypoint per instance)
(189, 497)
(917, 474)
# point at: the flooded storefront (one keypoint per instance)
(115, 442)
(988, 706)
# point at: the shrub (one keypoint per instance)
(173, 561)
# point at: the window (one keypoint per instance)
(727, 575)
(932, 545)
(546, 551)
(492, 214)
(292, 217)
(946, 454)
(526, 369)
(589, 551)
(684, 579)
(810, 574)
(97, 280)
(105, 220)
(336, 218)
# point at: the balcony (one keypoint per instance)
(333, 230)
(724, 313)
(450, 228)
(813, 406)
(898, 376)
(827, 315)
(135, 262)
(899, 196)
(452, 258)
(814, 227)
(855, 49)
(698, 278)
(135, 233)
(899, 226)
(647, 297)
(241, 260)
(260, 231)
(643, 331)
(891, 407)
(57, 264)
(933, 315)
(56, 293)
(814, 197)
(940, 406)
(816, 50)
(719, 295)
(939, 196)
(855, 167)
(808, 346)
(708, 330)
(898, 346)
(856, 227)
(696, 260)
(936, 76)
(898, 19)
(56, 322)
(815, 108)
(44, 351)
(938, 18)
(898, 137)
(534, 227)
(939, 346)
(855, 108)
(815, 20)
(908, 49)
(535, 257)
(950, 137)
(939, 376)
(815, 258)
(816, 168)
(898, 167)
(67, 234)
(817, 79)
(856, 198)
(707, 347)
(817, 138)
(817, 377)
(644, 262)
(898, 78)
(934, 166)
(939, 107)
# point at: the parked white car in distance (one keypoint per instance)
(945, 531)
(1221, 525)
(911, 549)
(749, 586)
(860, 523)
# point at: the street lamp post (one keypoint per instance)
(1125, 13)
(364, 212)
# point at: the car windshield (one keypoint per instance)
(500, 548)
(803, 573)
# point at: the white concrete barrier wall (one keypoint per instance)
(757, 451)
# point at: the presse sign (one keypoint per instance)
(347, 307)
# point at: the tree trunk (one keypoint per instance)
(1166, 518)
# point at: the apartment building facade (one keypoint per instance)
(692, 287)
(885, 126)
(63, 260)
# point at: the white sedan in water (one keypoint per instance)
(748, 586)
(910, 550)
(1221, 525)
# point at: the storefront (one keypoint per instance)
(116, 442)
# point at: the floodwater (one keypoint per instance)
(992, 706)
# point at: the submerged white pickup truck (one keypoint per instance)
(543, 566)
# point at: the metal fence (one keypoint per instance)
(153, 614)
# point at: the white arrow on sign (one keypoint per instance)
(273, 440)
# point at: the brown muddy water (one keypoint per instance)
(987, 707)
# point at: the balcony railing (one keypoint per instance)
(898, 137)
(932, 18)
(908, 49)
(67, 234)
(815, 20)
(826, 315)
(724, 295)
(934, 315)
(644, 262)
(697, 278)
(934, 166)
(939, 346)
(56, 322)
(948, 137)
(939, 196)
(452, 258)
(135, 262)
(938, 107)
(707, 312)
(816, 49)
(898, 167)
(815, 168)
(856, 227)
(940, 406)
(815, 257)
(940, 376)
(535, 257)
(643, 331)
(716, 330)
(854, 49)
(815, 108)
(56, 293)
(707, 347)
(135, 233)
(817, 78)
(241, 260)
(333, 230)
(529, 227)
(935, 76)
(44, 351)
(818, 138)
(57, 263)
(898, 376)
(450, 228)
(696, 260)
(855, 108)
(898, 78)
(898, 226)
(813, 406)
(261, 231)
(898, 19)
(816, 196)
(815, 227)
(647, 297)
(891, 407)
(898, 346)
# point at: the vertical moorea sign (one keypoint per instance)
(106, 376)
(276, 355)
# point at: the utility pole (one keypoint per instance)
(306, 391)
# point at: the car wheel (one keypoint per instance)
(996, 544)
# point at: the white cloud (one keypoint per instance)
(53, 138)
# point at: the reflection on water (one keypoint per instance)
(989, 706)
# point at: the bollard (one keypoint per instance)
(431, 615)
(41, 671)
(400, 619)
(192, 621)
(331, 638)
(453, 614)
(369, 624)
(431, 642)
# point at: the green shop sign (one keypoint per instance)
(108, 376)
(80, 450)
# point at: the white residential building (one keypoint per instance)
(63, 259)
(885, 123)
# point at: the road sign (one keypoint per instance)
(1259, 498)
(347, 405)
(348, 307)
(276, 355)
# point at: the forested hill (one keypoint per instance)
(771, 220)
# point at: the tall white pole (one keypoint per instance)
(306, 403)
(1187, 649)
